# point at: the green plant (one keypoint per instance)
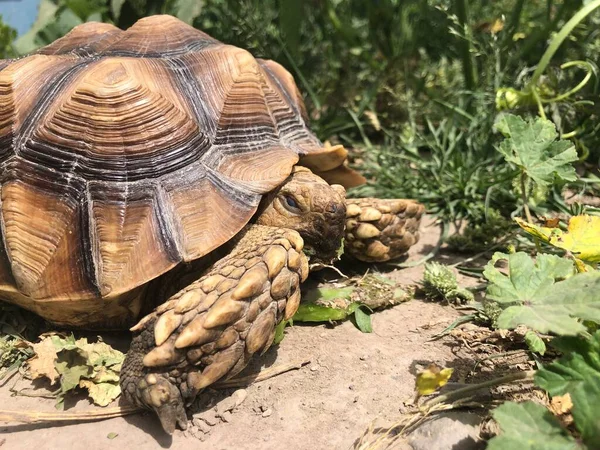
(439, 283)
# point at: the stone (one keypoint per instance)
(448, 431)
(239, 396)
(201, 425)
(210, 417)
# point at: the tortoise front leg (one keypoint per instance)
(379, 230)
(209, 330)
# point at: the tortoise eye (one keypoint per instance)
(291, 203)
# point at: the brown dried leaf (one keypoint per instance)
(561, 404)
(42, 364)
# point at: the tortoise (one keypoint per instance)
(157, 173)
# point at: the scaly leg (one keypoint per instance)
(209, 330)
(379, 230)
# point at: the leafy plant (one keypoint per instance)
(529, 426)
(78, 364)
(581, 240)
(543, 294)
(439, 283)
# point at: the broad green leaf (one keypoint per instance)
(582, 237)
(279, 331)
(585, 411)
(309, 312)
(578, 374)
(329, 304)
(78, 363)
(535, 343)
(532, 146)
(101, 393)
(27, 42)
(72, 367)
(363, 321)
(529, 426)
(291, 13)
(64, 22)
(537, 295)
(581, 361)
(85, 8)
(115, 7)
(188, 10)
(327, 294)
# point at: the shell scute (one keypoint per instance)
(123, 153)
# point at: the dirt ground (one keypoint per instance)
(351, 380)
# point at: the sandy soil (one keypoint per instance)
(352, 379)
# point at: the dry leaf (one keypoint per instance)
(42, 364)
(432, 378)
(561, 404)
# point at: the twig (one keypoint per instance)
(260, 376)
(464, 392)
(39, 416)
(120, 411)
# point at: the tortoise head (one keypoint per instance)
(308, 204)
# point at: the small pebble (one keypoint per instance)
(227, 416)
(314, 367)
(202, 425)
(239, 396)
(208, 416)
(267, 412)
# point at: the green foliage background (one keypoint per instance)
(409, 85)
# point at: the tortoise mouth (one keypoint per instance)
(323, 240)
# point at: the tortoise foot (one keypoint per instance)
(378, 230)
(209, 330)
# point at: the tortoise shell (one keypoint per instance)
(124, 153)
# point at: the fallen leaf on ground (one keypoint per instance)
(78, 364)
(432, 378)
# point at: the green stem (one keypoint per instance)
(559, 39)
(540, 34)
(462, 12)
(524, 197)
(466, 391)
(513, 23)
